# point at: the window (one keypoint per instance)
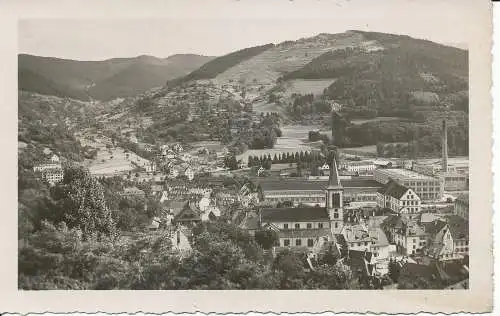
(297, 226)
(286, 242)
(309, 225)
(336, 225)
(285, 226)
(310, 243)
(366, 243)
(359, 244)
(298, 242)
(320, 225)
(336, 215)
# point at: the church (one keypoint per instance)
(308, 226)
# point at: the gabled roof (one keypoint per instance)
(294, 214)
(434, 227)
(394, 189)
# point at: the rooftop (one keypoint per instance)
(394, 189)
(403, 173)
(313, 185)
(294, 214)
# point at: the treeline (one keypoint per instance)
(306, 105)
(424, 138)
(283, 158)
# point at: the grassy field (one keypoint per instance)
(111, 161)
(303, 86)
(291, 141)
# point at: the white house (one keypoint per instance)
(399, 199)
(449, 239)
(54, 159)
(174, 172)
(164, 196)
(324, 167)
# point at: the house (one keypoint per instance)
(448, 240)
(188, 216)
(174, 172)
(156, 188)
(372, 239)
(155, 223)
(178, 148)
(409, 237)
(260, 171)
(296, 227)
(180, 241)
(133, 192)
(189, 173)
(53, 175)
(54, 159)
(399, 199)
(163, 196)
(433, 275)
(325, 167)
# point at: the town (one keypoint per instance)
(336, 161)
(395, 223)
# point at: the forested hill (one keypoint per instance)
(392, 75)
(101, 80)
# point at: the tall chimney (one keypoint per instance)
(444, 166)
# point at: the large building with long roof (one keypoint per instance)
(426, 187)
(312, 192)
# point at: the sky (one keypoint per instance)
(228, 26)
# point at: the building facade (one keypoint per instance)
(399, 199)
(462, 206)
(426, 187)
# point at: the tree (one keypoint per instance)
(266, 238)
(80, 198)
(231, 162)
(291, 268)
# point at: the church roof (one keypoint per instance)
(294, 214)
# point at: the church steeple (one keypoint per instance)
(334, 198)
(334, 180)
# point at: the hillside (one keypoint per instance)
(218, 65)
(102, 80)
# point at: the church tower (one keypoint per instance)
(334, 199)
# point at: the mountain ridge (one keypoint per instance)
(97, 79)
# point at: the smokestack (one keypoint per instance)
(444, 166)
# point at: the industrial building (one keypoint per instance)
(426, 187)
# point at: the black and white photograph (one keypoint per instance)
(247, 154)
